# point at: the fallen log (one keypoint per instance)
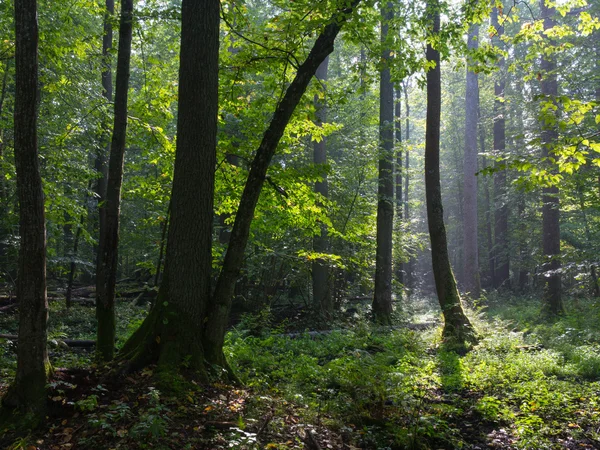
(78, 343)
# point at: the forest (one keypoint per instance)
(326, 224)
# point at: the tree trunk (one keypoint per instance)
(28, 393)
(382, 299)
(400, 267)
(103, 148)
(487, 208)
(552, 301)
(173, 330)
(409, 264)
(501, 253)
(186, 320)
(106, 271)
(320, 270)
(471, 255)
(457, 327)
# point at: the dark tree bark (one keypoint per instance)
(382, 299)
(552, 300)
(470, 229)
(501, 253)
(107, 91)
(108, 255)
(320, 270)
(457, 327)
(174, 328)
(186, 322)
(28, 392)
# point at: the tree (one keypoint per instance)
(457, 326)
(187, 323)
(382, 300)
(320, 271)
(471, 255)
(28, 393)
(552, 300)
(501, 255)
(106, 271)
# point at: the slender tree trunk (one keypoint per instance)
(471, 249)
(552, 299)
(400, 267)
(28, 393)
(2, 98)
(487, 207)
(409, 264)
(457, 327)
(106, 272)
(501, 253)
(103, 149)
(382, 300)
(320, 270)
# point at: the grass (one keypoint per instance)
(528, 384)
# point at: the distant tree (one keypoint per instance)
(552, 300)
(320, 270)
(106, 271)
(28, 392)
(382, 300)
(457, 327)
(470, 222)
(500, 269)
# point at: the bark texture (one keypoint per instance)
(108, 255)
(457, 326)
(382, 299)
(28, 393)
(173, 330)
(552, 300)
(320, 270)
(471, 255)
(501, 268)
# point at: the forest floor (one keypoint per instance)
(528, 384)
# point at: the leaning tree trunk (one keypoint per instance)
(501, 254)
(457, 327)
(322, 297)
(106, 271)
(470, 229)
(382, 299)
(552, 301)
(28, 393)
(187, 321)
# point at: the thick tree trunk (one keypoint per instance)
(322, 297)
(552, 299)
(457, 327)
(106, 271)
(501, 253)
(28, 393)
(471, 255)
(221, 302)
(382, 299)
(487, 209)
(173, 330)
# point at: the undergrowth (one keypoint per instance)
(528, 384)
